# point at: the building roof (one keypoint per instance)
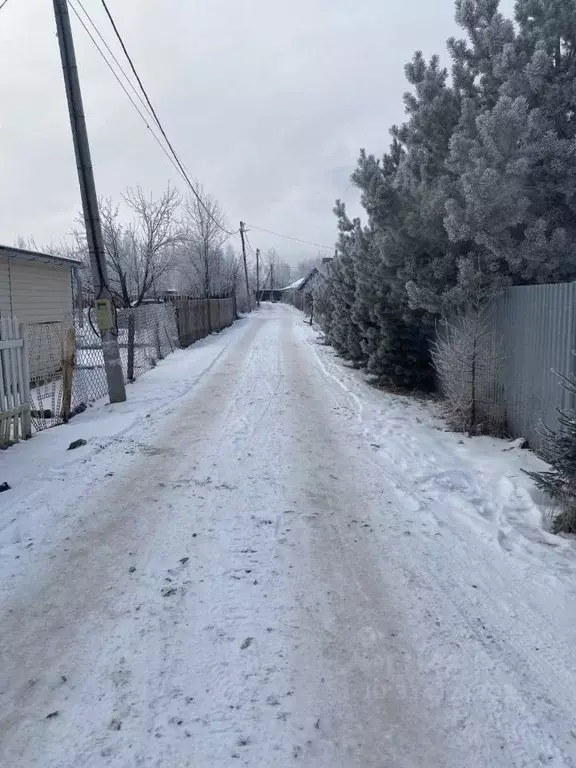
(310, 276)
(302, 282)
(19, 253)
(293, 286)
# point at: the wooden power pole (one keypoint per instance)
(103, 297)
(242, 231)
(258, 276)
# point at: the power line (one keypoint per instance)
(153, 111)
(121, 84)
(111, 52)
(249, 243)
(288, 237)
(3, 4)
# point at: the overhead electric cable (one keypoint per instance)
(158, 122)
(289, 237)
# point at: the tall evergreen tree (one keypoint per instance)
(475, 193)
(394, 334)
(424, 182)
(478, 72)
(343, 332)
(514, 151)
(478, 60)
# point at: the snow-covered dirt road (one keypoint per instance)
(284, 567)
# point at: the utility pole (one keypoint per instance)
(103, 297)
(258, 276)
(242, 231)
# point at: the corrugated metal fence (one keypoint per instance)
(536, 327)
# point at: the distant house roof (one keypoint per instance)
(295, 285)
(309, 277)
(302, 282)
(19, 253)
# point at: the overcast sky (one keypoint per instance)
(267, 102)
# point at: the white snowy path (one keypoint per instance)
(283, 567)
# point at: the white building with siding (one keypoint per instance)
(38, 289)
(35, 287)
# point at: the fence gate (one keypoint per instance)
(15, 419)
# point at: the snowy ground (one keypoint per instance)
(258, 560)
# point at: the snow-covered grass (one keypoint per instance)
(479, 480)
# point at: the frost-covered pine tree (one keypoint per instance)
(394, 335)
(343, 333)
(559, 448)
(424, 182)
(373, 270)
(514, 151)
(322, 301)
(479, 57)
(546, 48)
(476, 192)
(477, 75)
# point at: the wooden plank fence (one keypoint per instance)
(197, 318)
(15, 417)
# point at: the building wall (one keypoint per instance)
(4, 286)
(39, 294)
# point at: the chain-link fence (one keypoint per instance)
(67, 365)
(46, 354)
(66, 361)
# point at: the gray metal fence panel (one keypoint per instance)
(537, 328)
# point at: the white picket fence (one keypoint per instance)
(15, 417)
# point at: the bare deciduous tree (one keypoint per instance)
(467, 357)
(230, 272)
(140, 253)
(202, 250)
(305, 266)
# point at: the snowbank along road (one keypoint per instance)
(284, 567)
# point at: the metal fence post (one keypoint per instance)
(131, 344)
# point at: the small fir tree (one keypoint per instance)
(559, 449)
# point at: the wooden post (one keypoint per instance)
(248, 297)
(94, 237)
(4, 407)
(159, 355)
(258, 276)
(131, 344)
(68, 365)
(27, 418)
(181, 318)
